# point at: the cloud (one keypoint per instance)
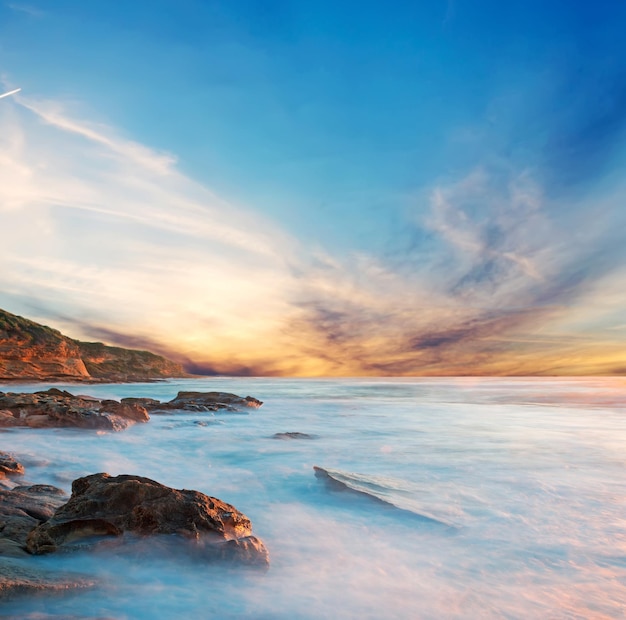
(110, 233)
(491, 297)
(27, 9)
(110, 241)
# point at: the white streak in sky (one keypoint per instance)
(11, 92)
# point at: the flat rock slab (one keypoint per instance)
(293, 435)
(58, 408)
(198, 401)
(17, 580)
(102, 506)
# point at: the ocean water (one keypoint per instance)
(510, 500)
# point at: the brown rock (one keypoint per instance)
(132, 411)
(58, 408)
(8, 465)
(144, 402)
(102, 505)
(30, 351)
(22, 509)
(209, 401)
(37, 421)
(7, 418)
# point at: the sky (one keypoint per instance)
(272, 187)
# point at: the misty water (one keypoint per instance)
(510, 494)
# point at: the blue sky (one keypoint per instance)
(460, 160)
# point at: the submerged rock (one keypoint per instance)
(19, 580)
(383, 491)
(59, 408)
(102, 506)
(294, 435)
(22, 509)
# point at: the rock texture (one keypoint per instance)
(117, 364)
(200, 401)
(9, 466)
(22, 509)
(58, 408)
(30, 351)
(125, 505)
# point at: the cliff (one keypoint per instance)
(30, 351)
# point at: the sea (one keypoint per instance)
(459, 498)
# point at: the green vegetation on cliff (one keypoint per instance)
(13, 326)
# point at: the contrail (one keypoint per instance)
(12, 92)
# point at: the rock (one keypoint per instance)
(126, 505)
(144, 402)
(293, 435)
(8, 465)
(207, 401)
(22, 509)
(32, 351)
(131, 411)
(58, 408)
(7, 418)
(18, 580)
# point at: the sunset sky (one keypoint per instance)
(320, 188)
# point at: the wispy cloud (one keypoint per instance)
(27, 9)
(109, 240)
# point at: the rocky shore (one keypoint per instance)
(59, 408)
(127, 512)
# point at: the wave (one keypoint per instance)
(388, 491)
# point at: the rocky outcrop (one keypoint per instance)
(201, 401)
(58, 408)
(30, 351)
(22, 509)
(105, 506)
(116, 364)
(9, 468)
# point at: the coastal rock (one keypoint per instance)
(116, 364)
(19, 580)
(9, 466)
(23, 508)
(293, 435)
(59, 408)
(30, 351)
(131, 411)
(102, 505)
(207, 401)
(143, 402)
